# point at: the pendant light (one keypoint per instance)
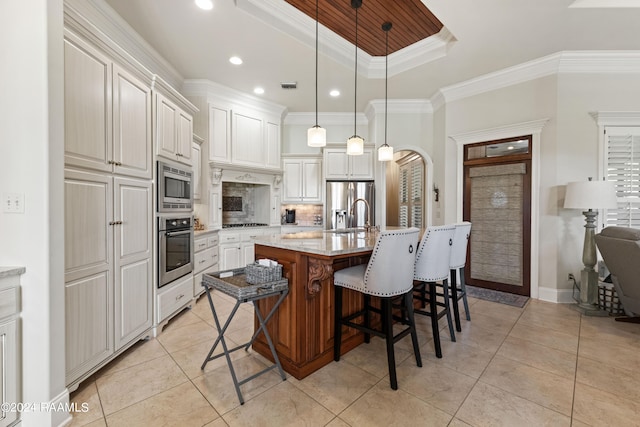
(385, 153)
(316, 136)
(355, 144)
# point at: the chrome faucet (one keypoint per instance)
(367, 226)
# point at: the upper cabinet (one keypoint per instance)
(174, 130)
(302, 179)
(196, 158)
(244, 137)
(339, 165)
(107, 112)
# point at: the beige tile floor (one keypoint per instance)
(544, 364)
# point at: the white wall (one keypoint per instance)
(31, 135)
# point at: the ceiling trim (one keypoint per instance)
(398, 106)
(325, 119)
(106, 20)
(286, 18)
(562, 62)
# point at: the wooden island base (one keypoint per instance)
(302, 328)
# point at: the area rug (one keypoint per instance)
(497, 296)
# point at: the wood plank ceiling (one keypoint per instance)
(411, 20)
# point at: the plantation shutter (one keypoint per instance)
(623, 168)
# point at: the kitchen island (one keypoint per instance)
(302, 328)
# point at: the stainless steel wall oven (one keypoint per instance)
(175, 248)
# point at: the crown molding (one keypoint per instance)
(107, 21)
(325, 119)
(286, 18)
(501, 132)
(616, 118)
(215, 92)
(398, 106)
(604, 3)
(577, 62)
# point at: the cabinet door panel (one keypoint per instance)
(131, 124)
(166, 127)
(185, 137)
(89, 333)
(272, 139)
(215, 208)
(133, 295)
(88, 214)
(362, 166)
(312, 179)
(229, 257)
(292, 180)
(87, 106)
(336, 164)
(248, 254)
(133, 207)
(219, 134)
(8, 370)
(196, 159)
(247, 138)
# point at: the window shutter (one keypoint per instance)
(623, 168)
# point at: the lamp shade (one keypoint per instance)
(316, 136)
(591, 195)
(355, 146)
(385, 153)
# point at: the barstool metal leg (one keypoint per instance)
(433, 308)
(408, 302)
(445, 287)
(387, 327)
(455, 297)
(463, 288)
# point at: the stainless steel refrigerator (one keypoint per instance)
(341, 196)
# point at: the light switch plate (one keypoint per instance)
(13, 202)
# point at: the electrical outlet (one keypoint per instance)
(571, 277)
(13, 202)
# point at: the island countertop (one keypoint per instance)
(325, 243)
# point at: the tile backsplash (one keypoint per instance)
(238, 203)
(306, 214)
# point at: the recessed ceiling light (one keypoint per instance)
(258, 91)
(204, 4)
(334, 93)
(235, 60)
(510, 147)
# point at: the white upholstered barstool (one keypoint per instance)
(432, 265)
(458, 260)
(388, 274)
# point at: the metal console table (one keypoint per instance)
(234, 284)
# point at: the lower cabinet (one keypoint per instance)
(174, 296)
(108, 267)
(237, 248)
(9, 349)
(205, 259)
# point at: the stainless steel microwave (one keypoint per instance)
(175, 189)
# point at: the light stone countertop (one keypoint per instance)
(11, 271)
(197, 233)
(327, 243)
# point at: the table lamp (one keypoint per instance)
(590, 195)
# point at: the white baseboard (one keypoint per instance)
(559, 296)
(48, 415)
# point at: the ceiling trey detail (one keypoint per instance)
(414, 20)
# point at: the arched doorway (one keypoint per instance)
(405, 190)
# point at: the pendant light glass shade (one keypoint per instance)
(355, 144)
(385, 152)
(316, 136)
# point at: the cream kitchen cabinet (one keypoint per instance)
(215, 207)
(107, 112)
(339, 165)
(108, 267)
(219, 134)
(174, 130)
(205, 258)
(237, 248)
(244, 137)
(302, 180)
(10, 377)
(196, 158)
